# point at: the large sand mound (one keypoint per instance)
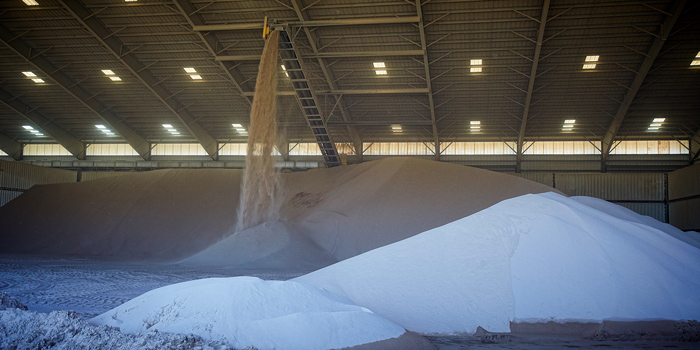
(535, 258)
(173, 214)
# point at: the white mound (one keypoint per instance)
(535, 257)
(247, 311)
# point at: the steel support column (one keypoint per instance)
(531, 85)
(649, 58)
(114, 121)
(426, 66)
(44, 124)
(139, 71)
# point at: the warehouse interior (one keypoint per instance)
(394, 118)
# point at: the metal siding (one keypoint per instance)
(685, 214)
(621, 187)
(654, 210)
(684, 182)
(94, 175)
(7, 196)
(20, 175)
(561, 163)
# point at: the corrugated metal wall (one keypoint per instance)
(17, 177)
(94, 175)
(684, 197)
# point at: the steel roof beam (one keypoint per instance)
(330, 79)
(305, 23)
(44, 124)
(11, 147)
(114, 121)
(353, 92)
(114, 46)
(428, 80)
(329, 54)
(694, 147)
(531, 84)
(639, 77)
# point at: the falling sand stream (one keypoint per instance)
(260, 187)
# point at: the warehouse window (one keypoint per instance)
(178, 149)
(233, 149)
(304, 149)
(478, 148)
(562, 147)
(111, 149)
(2, 154)
(345, 148)
(398, 149)
(651, 147)
(45, 149)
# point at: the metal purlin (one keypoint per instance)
(307, 100)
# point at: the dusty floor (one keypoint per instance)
(91, 287)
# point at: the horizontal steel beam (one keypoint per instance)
(352, 92)
(224, 58)
(316, 23)
(11, 147)
(382, 122)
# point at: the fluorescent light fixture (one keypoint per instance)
(570, 121)
(653, 128)
(475, 70)
(475, 122)
(110, 133)
(38, 134)
(34, 131)
(475, 127)
(30, 2)
(115, 78)
(286, 74)
(658, 120)
(380, 72)
(27, 127)
(175, 133)
(107, 72)
(100, 126)
(379, 65)
(475, 62)
(130, 0)
(695, 63)
(38, 80)
(592, 58)
(29, 74)
(240, 129)
(196, 77)
(237, 125)
(396, 126)
(568, 126)
(698, 55)
(283, 67)
(589, 66)
(190, 70)
(655, 124)
(167, 126)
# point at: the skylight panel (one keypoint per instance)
(196, 77)
(32, 130)
(240, 129)
(568, 124)
(30, 2)
(590, 62)
(378, 68)
(381, 72)
(379, 65)
(592, 58)
(190, 70)
(27, 127)
(476, 65)
(475, 70)
(570, 121)
(237, 125)
(108, 72)
(656, 124)
(658, 120)
(695, 62)
(589, 66)
(396, 128)
(130, 0)
(29, 74)
(115, 78)
(475, 122)
(104, 130)
(100, 126)
(475, 62)
(475, 125)
(38, 80)
(171, 129)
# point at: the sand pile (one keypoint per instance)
(534, 258)
(173, 214)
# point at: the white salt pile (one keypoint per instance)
(532, 258)
(247, 311)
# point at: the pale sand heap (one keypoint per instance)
(261, 190)
(173, 214)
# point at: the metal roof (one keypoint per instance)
(531, 80)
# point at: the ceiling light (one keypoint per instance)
(653, 128)
(39, 134)
(190, 70)
(475, 62)
(30, 2)
(175, 133)
(658, 120)
(29, 74)
(130, 0)
(107, 72)
(589, 66)
(115, 78)
(475, 127)
(695, 63)
(380, 72)
(240, 130)
(570, 121)
(698, 55)
(475, 122)
(38, 81)
(475, 70)
(568, 125)
(27, 127)
(379, 65)
(655, 124)
(196, 77)
(592, 58)
(34, 131)
(100, 126)
(168, 126)
(237, 125)
(283, 67)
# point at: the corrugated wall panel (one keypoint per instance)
(94, 175)
(655, 210)
(10, 171)
(685, 214)
(622, 187)
(7, 196)
(561, 163)
(684, 182)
